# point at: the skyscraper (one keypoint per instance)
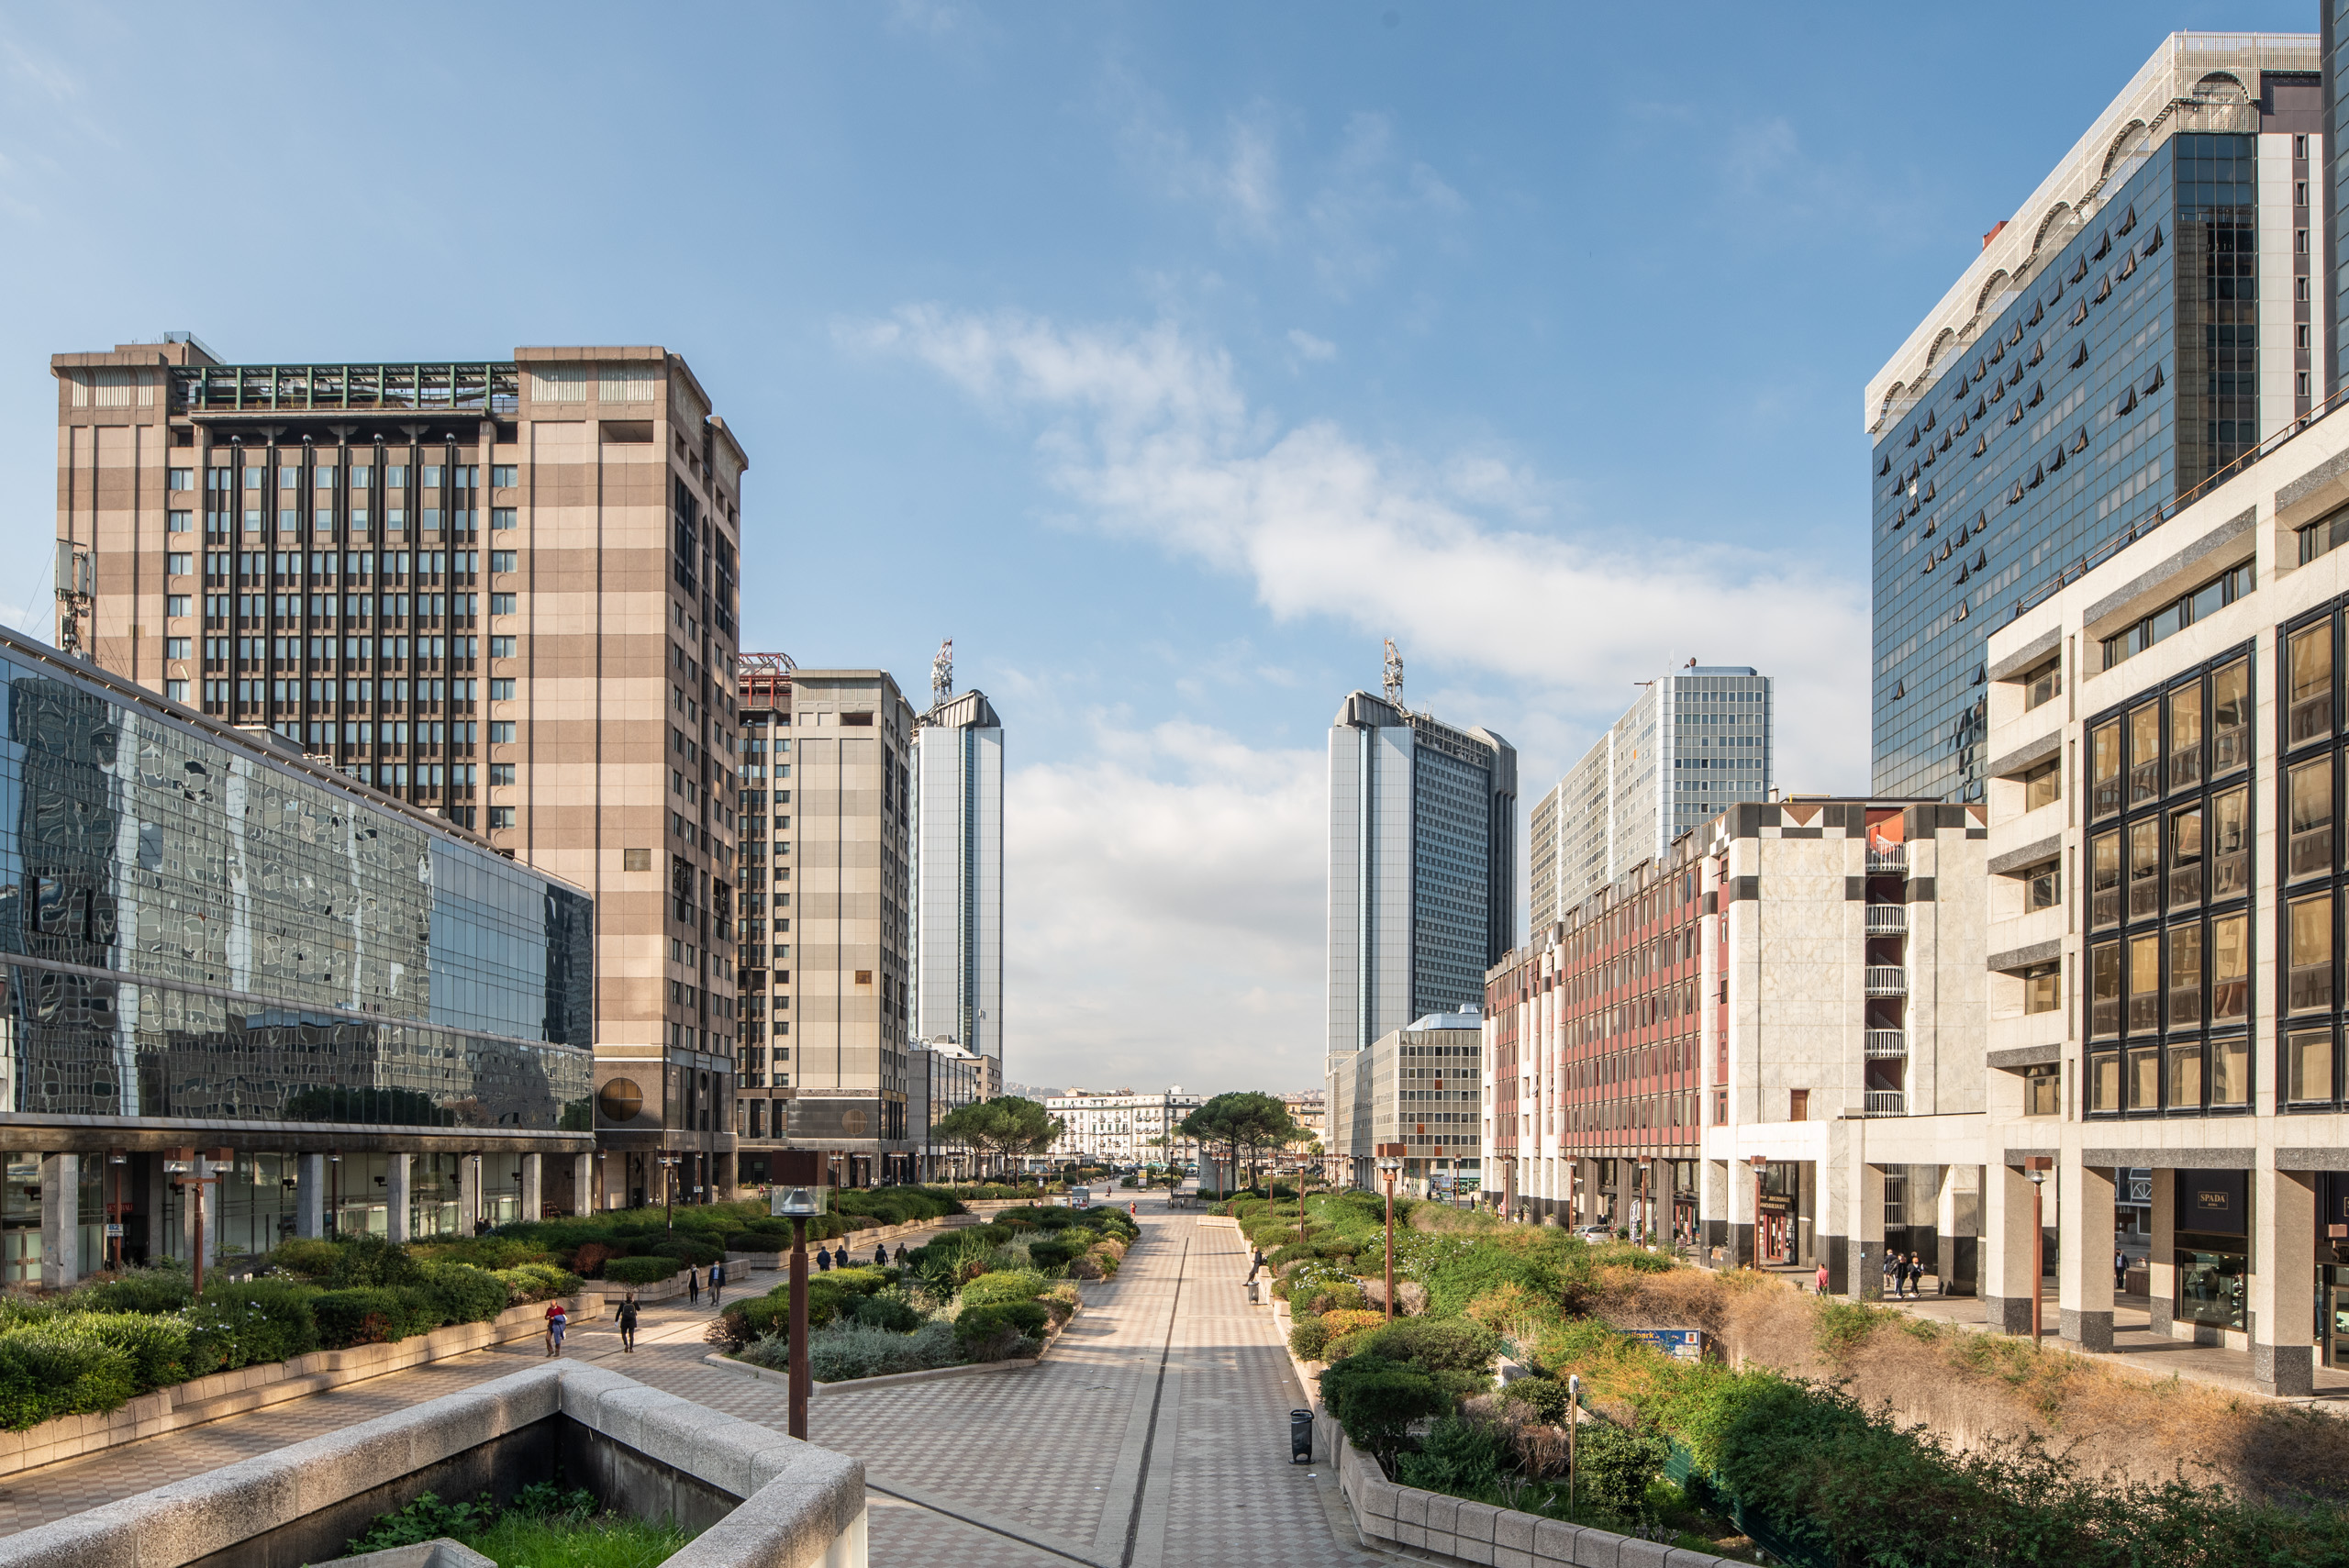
(1422, 865)
(2146, 317)
(958, 873)
(1696, 742)
(500, 590)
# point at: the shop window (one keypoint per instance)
(2185, 737)
(2043, 988)
(2043, 786)
(2185, 1085)
(2308, 985)
(2309, 684)
(2104, 880)
(2184, 1005)
(2230, 969)
(2229, 719)
(2104, 990)
(2308, 1066)
(2310, 819)
(2185, 857)
(2145, 868)
(2229, 848)
(2104, 769)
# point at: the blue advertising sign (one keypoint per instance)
(1683, 1344)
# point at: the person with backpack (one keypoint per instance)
(693, 1285)
(823, 1259)
(880, 1255)
(628, 1323)
(558, 1319)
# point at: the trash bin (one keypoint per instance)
(1300, 1437)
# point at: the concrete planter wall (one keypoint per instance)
(224, 1393)
(758, 1498)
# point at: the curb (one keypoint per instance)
(858, 1384)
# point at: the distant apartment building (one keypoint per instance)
(501, 591)
(1123, 1127)
(2166, 766)
(1309, 1108)
(1696, 742)
(1417, 1086)
(1422, 866)
(2151, 312)
(958, 877)
(1792, 1000)
(827, 808)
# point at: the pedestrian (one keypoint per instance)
(628, 1323)
(716, 1281)
(840, 1260)
(693, 1285)
(901, 1251)
(1254, 1264)
(558, 1319)
(2120, 1272)
(881, 1256)
(1892, 1272)
(1134, 1211)
(823, 1259)
(1916, 1277)
(1822, 1279)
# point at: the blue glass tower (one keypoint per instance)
(2144, 322)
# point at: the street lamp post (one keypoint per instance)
(1761, 1169)
(2035, 1167)
(1390, 1161)
(115, 1159)
(799, 1198)
(181, 1166)
(668, 1163)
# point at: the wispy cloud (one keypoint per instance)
(1308, 347)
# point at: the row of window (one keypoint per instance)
(459, 520)
(326, 476)
(2181, 612)
(358, 565)
(2208, 723)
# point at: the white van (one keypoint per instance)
(1080, 1197)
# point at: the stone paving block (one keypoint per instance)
(1680, 1557)
(1637, 1553)
(1513, 1530)
(1410, 1507)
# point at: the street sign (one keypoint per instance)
(1680, 1344)
(113, 1231)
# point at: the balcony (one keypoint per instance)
(1887, 919)
(1886, 1101)
(1892, 857)
(1885, 980)
(1888, 1042)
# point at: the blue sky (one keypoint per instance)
(1165, 357)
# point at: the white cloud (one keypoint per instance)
(1148, 433)
(1308, 347)
(1163, 900)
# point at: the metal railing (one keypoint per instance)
(1884, 1102)
(1887, 919)
(2159, 513)
(1887, 857)
(1888, 1042)
(1885, 980)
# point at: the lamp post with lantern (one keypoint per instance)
(1761, 1170)
(2037, 1166)
(668, 1163)
(1390, 1161)
(180, 1164)
(798, 1197)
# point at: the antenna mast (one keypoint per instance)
(942, 674)
(1395, 677)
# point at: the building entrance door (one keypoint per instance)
(1777, 1238)
(2332, 1298)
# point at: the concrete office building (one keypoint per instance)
(2148, 316)
(504, 591)
(1798, 984)
(1123, 1127)
(940, 1077)
(958, 876)
(827, 823)
(2167, 1000)
(1416, 1087)
(1696, 741)
(355, 1016)
(1422, 866)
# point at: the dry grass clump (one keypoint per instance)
(1981, 1390)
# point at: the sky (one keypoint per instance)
(1167, 357)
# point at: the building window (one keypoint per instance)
(2309, 684)
(2039, 1087)
(501, 517)
(501, 475)
(2043, 785)
(2230, 969)
(180, 478)
(501, 604)
(2104, 990)
(2308, 954)
(175, 604)
(636, 860)
(501, 561)
(2043, 887)
(2144, 985)
(2104, 769)
(176, 646)
(501, 689)
(501, 774)
(175, 690)
(501, 731)
(2310, 819)
(2043, 684)
(501, 816)
(2043, 988)
(501, 648)
(2185, 1005)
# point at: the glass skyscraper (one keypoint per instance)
(2145, 321)
(1422, 867)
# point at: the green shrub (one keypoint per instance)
(1308, 1337)
(156, 1343)
(462, 1294)
(893, 1313)
(1458, 1455)
(60, 1368)
(1456, 1351)
(849, 1350)
(1614, 1465)
(537, 1281)
(310, 1257)
(641, 1271)
(1544, 1396)
(692, 1250)
(256, 1321)
(138, 1290)
(1010, 1285)
(983, 1330)
(372, 1315)
(1375, 1400)
(367, 1262)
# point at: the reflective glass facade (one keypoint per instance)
(197, 931)
(2056, 427)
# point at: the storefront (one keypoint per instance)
(2213, 1243)
(1781, 1234)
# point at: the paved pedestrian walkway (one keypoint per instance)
(1155, 1436)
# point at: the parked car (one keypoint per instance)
(1594, 1233)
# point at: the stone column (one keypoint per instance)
(1713, 1210)
(61, 1220)
(2161, 1263)
(582, 1183)
(2084, 1256)
(310, 1196)
(1864, 1248)
(533, 1202)
(2009, 1280)
(468, 1192)
(396, 1198)
(2283, 1280)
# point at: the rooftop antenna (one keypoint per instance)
(1394, 686)
(941, 674)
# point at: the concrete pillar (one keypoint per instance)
(2161, 1263)
(1713, 1209)
(396, 1198)
(1741, 1238)
(468, 1194)
(2084, 1256)
(1864, 1247)
(61, 1220)
(533, 1201)
(582, 1183)
(2009, 1280)
(2282, 1295)
(310, 1196)
(1624, 1192)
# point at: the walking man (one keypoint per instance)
(1822, 1279)
(1892, 1274)
(2120, 1272)
(628, 1323)
(1916, 1277)
(716, 1282)
(558, 1318)
(1254, 1264)
(823, 1259)
(693, 1285)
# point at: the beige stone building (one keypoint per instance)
(827, 823)
(504, 591)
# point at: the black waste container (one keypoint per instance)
(1300, 1437)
